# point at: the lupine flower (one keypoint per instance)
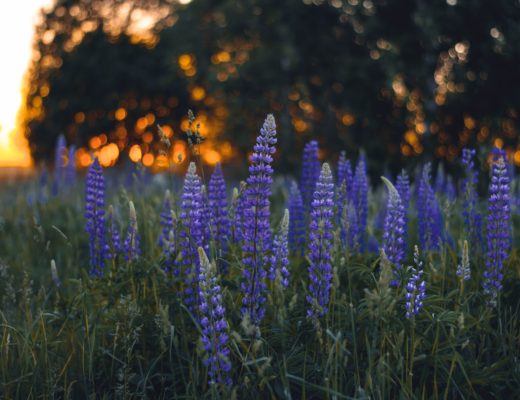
(296, 221)
(394, 228)
(131, 246)
(472, 218)
(113, 234)
(463, 269)
(320, 245)
(166, 220)
(237, 212)
(343, 192)
(213, 322)
(280, 259)
(192, 233)
(403, 188)
(498, 229)
(95, 216)
(70, 173)
(310, 173)
(360, 205)
(256, 232)
(59, 164)
(219, 219)
(416, 288)
(429, 213)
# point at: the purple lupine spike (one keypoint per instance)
(296, 221)
(70, 173)
(429, 214)
(472, 218)
(166, 220)
(95, 216)
(360, 205)
(114, 238)
(343, 192)
(59, 164)
(320, 245)
(440, 180)
(219, 219)
(191, 235)
(280, 259)
(499, 236)
(256, 232)
(238, 203)
(213, 322)
(310, 173)
(415, 288)
(403, 188)
(463, 269)
(131, 247)
(394, 229)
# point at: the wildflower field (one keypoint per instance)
(318, 286)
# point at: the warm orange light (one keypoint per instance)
(79, 117)
(83, 157)
(185, 61)
(148, 159)
(120, 114)
(148, 137)
(168, 130)
(198, 93)
(161, 161)
(108, 155)
(517, 157)
(499, 143)
(211, 156)
(347, 119)
(135, 153)
(179, 152)
(94, 143)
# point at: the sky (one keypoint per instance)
(16, 30)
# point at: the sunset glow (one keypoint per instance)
(16, 30)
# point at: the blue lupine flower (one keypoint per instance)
(415, 288)
(113, 234)
(70, 173)
(429, 214)
(310, 173)
(463, 269)
(95, 216)
(403, 188)
(280, 259)
(345, 175)
(256, 232)
(219, 219)
(296, 221)
(360, 204)
(59, 164)
(237, 209)
(131, 246)
(472, 218)
(213, 322)
(394, 228)
(320, 245)
(499, 235)
(192, 234)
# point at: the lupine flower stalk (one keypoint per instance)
(472, 218)
(394, 227)
(498, 229)
(429, 214)
(192, 234)
(95, 216)
(213, 322)
(219, 219)
(402, 186)
(256, 232)
(416, 288)
(131, 247)
(280, 259)
(310, 173)
(236, 212)
(113, 234)
(70, 173)
(320, 245)
(59, 164)
(296, 221)
(463, 269)
(345, 175)
(360, 205)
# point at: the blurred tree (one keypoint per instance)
(422, 78)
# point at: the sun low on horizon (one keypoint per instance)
(16, 34)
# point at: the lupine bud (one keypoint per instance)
(280, 260)
(416, 288)
(429, 214)
(310, 173)
(95, 216)
(360, 205)
(463, 269)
